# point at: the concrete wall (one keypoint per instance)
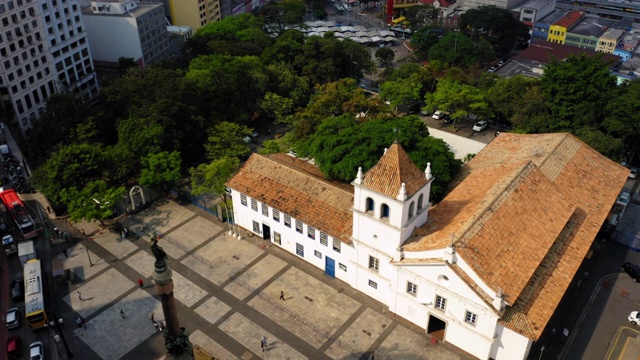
(112, 37)
(460, 146)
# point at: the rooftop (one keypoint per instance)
(555, 15)
(544, 52)
(591, 26)
(535, 202)
(392, 170)
(569, 19)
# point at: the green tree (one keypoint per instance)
(623, 117)
(342, 144)
(96, 201)
(72, 166)
(385, 56)
(577, 90)
(286, 48)
(496, 25)
(423, 15)
(277, 107)
(456, 49)
(281, 14)
(126, 63)
(284, 82)
(161, 169)
(403, 91)
(211, 178)
(529, 112)
(459, 99)
(226, 140)
(605, 144)
(424, 38)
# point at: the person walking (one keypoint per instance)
(282, 295)
(79, 295)
(140, 283)
(263, 343)
(79, 322)
(84, 323)
(153, 318)
(124, 316)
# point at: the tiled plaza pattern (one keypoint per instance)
(227, 291)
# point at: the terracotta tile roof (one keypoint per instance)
(544, 52)
(297, 188)
(535, 203)
(569, 19)
(394, 168)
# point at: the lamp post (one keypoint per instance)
(57, 327)
(229, 226)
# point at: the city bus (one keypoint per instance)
(34, 295)
(18, 213)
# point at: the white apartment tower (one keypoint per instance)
(69, 46)
(43, 50)
(126, 28)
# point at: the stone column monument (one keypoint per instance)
(175, 338)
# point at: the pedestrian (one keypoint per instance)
(61, 322)
(56, 231)
(282, 295)
(140, 283)
(124, 316)
(123, 235)
(64, 251)
(79, 295)
(264, 343)
(83, 233)
(126, 232)
(79, 322)
(153, 318)
(84, 323)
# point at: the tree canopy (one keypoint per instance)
(496, 25)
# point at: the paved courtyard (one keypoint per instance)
(227, 292)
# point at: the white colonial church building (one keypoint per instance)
(482, 270)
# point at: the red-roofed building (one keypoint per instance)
(558, 30)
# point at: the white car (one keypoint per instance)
(13, 318)
(480, 125)
(624, 198)
(633, 174)
(634, 317)
(36, 351)
(436, 115)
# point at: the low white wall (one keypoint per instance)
(460, 146)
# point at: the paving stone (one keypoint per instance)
(186, 291)
(195, 232)
(162, 218)
(250, 334)
(99, 292)
(312, 309)
(142, 262)
(111, 336)
(212, 310)
(255, 276)
(403, 343)
(359, 336)
(222, 258)
(213, 348)
(78, 262)
(115, 244)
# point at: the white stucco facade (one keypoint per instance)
(422, 287)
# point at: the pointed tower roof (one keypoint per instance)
(394, 168)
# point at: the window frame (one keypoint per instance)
(287, 220)
(374, 263)
(412, 288)
(265, 209)
(324, 238)
(440, 303)
(336, 245)
(275, 215)
(299, 226)
(470, 318)
(254, 205)
(311, 232)
(300, 250)
(277, 238)
(373, 284)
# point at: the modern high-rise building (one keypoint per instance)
(68, 44)
(195, 13)
(43, 50)
(126, 28)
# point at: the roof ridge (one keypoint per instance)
(505, 192)
(301, 171)
(394, 168)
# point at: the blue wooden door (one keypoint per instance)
(330, 266)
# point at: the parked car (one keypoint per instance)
(36, 351)
(633, 271)
(492, 69)
(13, 318)
(17, 289)
(446, 118)
(634, 317)
(14, 347)
(633, 174)
(624, 198)
(436, 115)
(480, 125)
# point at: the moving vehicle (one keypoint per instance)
(13, 347)
(634, 317)
(13, 318)
(19, 213)
(9, 245)
(480, 125)
(632, 270)
(36, 351)
(26, 251)
(17, 289)
(34, 296)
